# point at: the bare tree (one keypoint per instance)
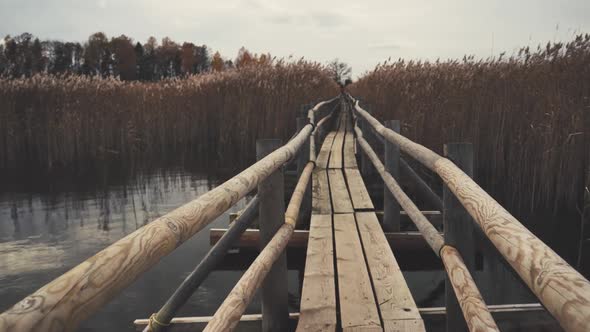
(339, 71)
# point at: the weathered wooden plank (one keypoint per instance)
(320, 195)
(398, 309)
(228, 314)
(358, 192)
(318, 297)
(324, 155)
(349, 156)
(358, 309)
(338, 146)
(338, 191)
(74, 296)
(558, 285)
(403, 243)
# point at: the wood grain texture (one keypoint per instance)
(474, 309)
(349, 156)
(395, 300)
(318, 297)
(228, 314)
(336, 159)
(564, 291)
(324, 155)
(271, 192)
(69, 299)
(430, 233)
(399, 241)
(358, 309)
(341, 202)
(358, 192)
(321, 202)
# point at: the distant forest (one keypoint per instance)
(26, 55)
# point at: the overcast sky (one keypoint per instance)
(361, 33)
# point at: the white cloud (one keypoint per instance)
(359, 33)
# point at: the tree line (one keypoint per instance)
(26, 55)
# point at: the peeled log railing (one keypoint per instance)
(228, 314)
(560, 288)
(65, 302)
(474, 309)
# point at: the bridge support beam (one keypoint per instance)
(271, 192)
(391, 209)
(458, 231)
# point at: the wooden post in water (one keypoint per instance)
(271, 193)
(302, 160)
(458, 231)
(391, 207)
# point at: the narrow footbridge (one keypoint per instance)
(350, 214)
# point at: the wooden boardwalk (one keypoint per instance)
(352, 280)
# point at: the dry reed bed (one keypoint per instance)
(528, 117)
(49, 122)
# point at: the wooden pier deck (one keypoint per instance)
(352, 279)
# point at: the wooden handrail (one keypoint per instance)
(190, 284)
(228, 314)
(475, 311)
(562, 290)
(69, 299)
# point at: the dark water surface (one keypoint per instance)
(43, 235)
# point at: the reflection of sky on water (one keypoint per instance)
(43, 236)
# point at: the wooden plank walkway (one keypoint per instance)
(352, 280)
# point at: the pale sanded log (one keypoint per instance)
(318, 296)
(358, 309)
(475, 311)
(312, 112)
(395, 300)
(564, 291)
(228, 314)
(430, 233)
(74, 296)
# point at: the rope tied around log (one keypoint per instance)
(154, 321)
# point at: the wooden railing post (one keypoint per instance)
(391, 207)
(458, 230)
(302, 160)
(271, 193)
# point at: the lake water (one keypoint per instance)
(42, 235)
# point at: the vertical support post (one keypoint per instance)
(458, 230)
(271, 193)
(391, 209)
(302, 160)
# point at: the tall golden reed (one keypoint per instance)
(527, 115)
(75, 122)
